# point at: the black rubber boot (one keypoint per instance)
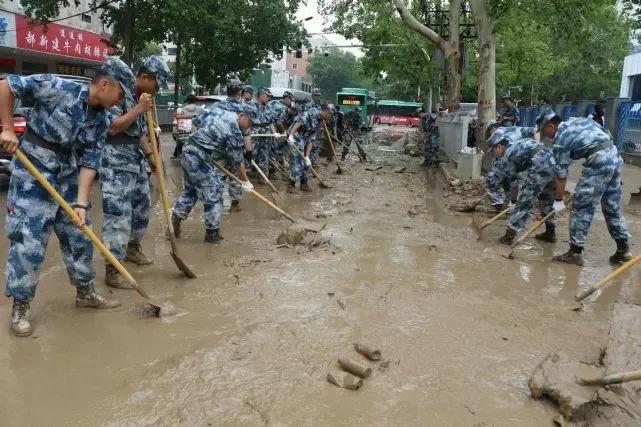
(508, 237)
(175, 221)
(549, 235)
(21, 318)
(304, 187)
(213, 236)
(573, 256)
(622, 254)
(291, 186)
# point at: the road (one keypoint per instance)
(258, 330)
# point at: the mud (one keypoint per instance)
(462, 327)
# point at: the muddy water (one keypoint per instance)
(256, 333)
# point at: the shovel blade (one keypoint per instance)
(313, 226)
(277, 199)
(182, 266)
(635, 203)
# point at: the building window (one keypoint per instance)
(294, 66)
(86, 18)
(171, 51)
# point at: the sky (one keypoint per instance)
(315, 25)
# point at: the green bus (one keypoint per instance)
(399, 113)
(350, 98)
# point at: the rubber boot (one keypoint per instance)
(304, 187)
(21, 318)
(573, 256)
(87, 297)
(549, 235)
(175, 221)
(212, 235)
(134, 254)
(113, 279)
(235, 206)
(508, 237)
(622, 254)
(291, 186)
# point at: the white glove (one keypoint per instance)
(291, 141)
(511, 206)
(308, 162)
(558, 206)
(246, 186)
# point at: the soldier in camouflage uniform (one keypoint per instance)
(582, 138)
(247, 94)
(124, 182)
(219, 137)
(492, 183)
(315, 104)
(66, 116)
(431, 149)
(511, 115)
(264, 125)
(281, 118)
(534, 158)
(300, 136)
(353, 121)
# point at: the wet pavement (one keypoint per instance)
(258, 330)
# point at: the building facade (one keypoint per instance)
(73, 46)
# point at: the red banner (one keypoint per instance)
(61, 40)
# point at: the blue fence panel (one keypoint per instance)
(523, 115)
(533, 113)
(629, 134)
(568, 112)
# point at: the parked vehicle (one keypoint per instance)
(398, 113)
(182, 125)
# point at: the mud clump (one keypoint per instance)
(556, 378)
(298, 235)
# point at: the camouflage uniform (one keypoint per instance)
(123, 176)
(511, 117)
(353, 119)
(217, 138)
(280, 117)
(537, 159)
(582, 138)
(59, 123)
(310, 123)
(232, 105)
(492, 183)
(262, 145)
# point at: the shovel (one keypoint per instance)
(360, 147)
(165, 201)
(278, 199)
(309, 225)
(311, 168)
(331, 144)
(278, 168)
(479, 229)
(532, 229)
(635, 201)
(613, 275)
(157, 309)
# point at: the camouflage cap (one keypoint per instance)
(248, 88)
(546, 117)
(250, 109)
(159, 67)
(496, 139)
(288, 94)
(265, 90)
(116, 68)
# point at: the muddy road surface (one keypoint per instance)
(256, 333)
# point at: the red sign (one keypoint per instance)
(61, 40)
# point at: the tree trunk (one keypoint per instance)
(177, 71)
(487, 62)
(452, 56)
(129, 36)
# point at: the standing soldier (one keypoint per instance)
(280, 110)
(264, 125)
(300, 137)
(353, 119)
(315, 103)
(66, 115)
(431, 149)
(123, 176)
(513, 158)
(583, 138)
(219, 137)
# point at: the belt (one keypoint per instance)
(122, 139)
(37, 140)
(599, 147)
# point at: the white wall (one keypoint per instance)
(631, 67)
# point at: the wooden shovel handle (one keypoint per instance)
(159, 173)
(532, 229)
(72, 214)
(253, 192)
(622, 377)
(311, 168)
(262, 174)
(612, 275)
(499, 215)
(329, 139)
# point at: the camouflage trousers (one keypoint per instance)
(298, 170)
(538, 183)
(599, 182)
(201, 181)
(348, 143)
(31, 215)
(277, 151)
(431, 150)
(125, 204)
(495, 187)
(261, 152)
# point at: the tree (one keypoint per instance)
(334, 71)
